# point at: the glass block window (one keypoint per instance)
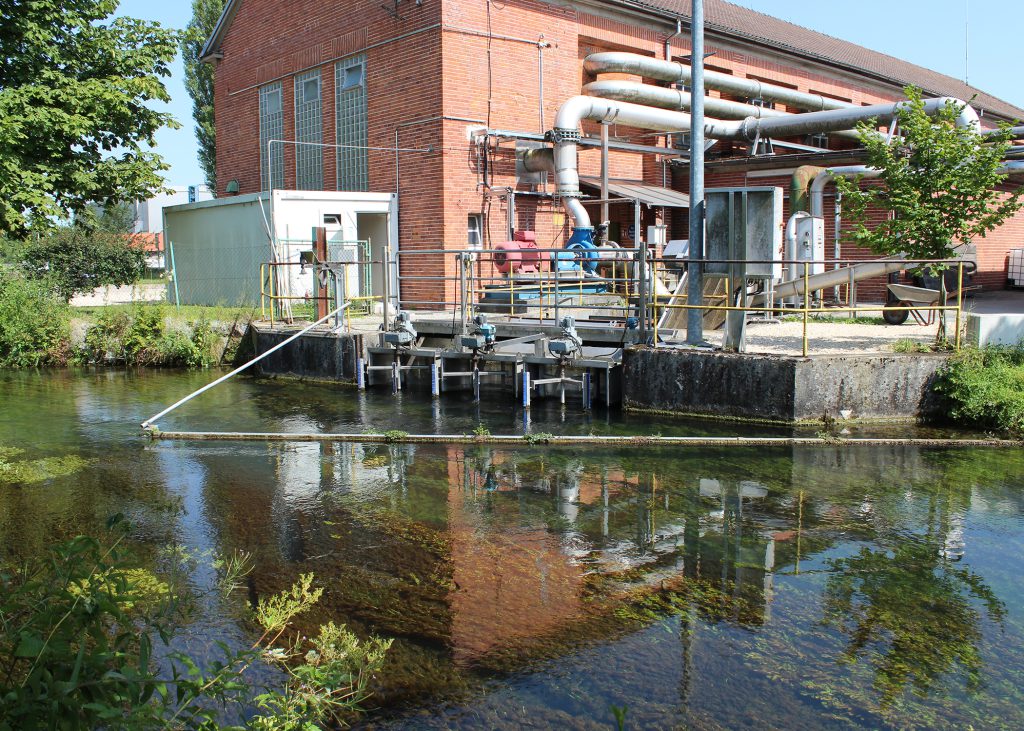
(350, 99)
(271, 128)
(309, 161)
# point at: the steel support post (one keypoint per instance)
(695, 272)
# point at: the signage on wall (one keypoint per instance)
(631, 232)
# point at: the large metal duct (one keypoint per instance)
(668, 98)
(651, 68)
(566, 131)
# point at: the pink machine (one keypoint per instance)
(520, 255)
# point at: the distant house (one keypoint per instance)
(149, 219)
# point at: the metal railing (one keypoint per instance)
(275, 306)
(639, 291)
(636, 292)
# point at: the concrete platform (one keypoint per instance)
(780, 388)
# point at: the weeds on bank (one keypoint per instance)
(984, 388)
(140, 337)
(77, 634)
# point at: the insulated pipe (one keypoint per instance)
(668, 98)
(817, 188)
(832, 120)
(651, 68)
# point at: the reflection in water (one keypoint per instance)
(866, 587)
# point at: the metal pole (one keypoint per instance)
(151, 420)
(641, 278)
(604, 172)
(695, 276)
(386, 263)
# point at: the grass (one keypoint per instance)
(217, 313)
(838, 319)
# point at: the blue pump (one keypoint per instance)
(582, 243)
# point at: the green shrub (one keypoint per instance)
(34, 323)
(139, 338)
(77, 634)
(985, 388)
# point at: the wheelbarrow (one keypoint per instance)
(914, 299)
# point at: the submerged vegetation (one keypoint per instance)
(78, 629)
(985, 388)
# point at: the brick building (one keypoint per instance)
(456, 85)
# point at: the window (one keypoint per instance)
(350, 114)
(271, 128)
(309, 167)
(474, 226)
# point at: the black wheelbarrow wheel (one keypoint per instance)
(893, 316)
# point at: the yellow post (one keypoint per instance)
(807, 306)
(959, 302)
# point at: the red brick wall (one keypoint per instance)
(437, 60)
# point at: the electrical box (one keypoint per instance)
(656, 236)
(744, 223)
(1016, 271)
(810, 245)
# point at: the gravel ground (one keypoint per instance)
(832, 337)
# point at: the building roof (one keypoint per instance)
(726, 19)
(651, 195)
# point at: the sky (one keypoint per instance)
(930, 33)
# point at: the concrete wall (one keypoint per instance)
(317, 355)
(779, 388)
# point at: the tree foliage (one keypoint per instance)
(199, 82)
(74, 122)
(940, 182)
(75, 259)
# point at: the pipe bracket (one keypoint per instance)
(563, 134)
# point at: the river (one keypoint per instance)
(796, 587)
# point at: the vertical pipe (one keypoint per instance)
(807, 306)
(604, 172)
(541, 45)
(641, 253)
(695, 278)
(386, 264)
(959, 301)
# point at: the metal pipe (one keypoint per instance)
(822, 179)
(677, 99)
(604, 173)
(152, 420)
(668, 41)
(652, 68)
(695, 271)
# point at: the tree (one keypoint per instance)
(939, 180)
(199, 82)
(74, 259)
(74, 120)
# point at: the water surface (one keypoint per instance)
(704, 588)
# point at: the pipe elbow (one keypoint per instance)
(573, 111)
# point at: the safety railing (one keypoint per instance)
(639, 292)
(333, 291)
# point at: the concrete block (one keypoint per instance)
(995, 329)
(778, 387)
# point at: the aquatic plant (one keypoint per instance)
(140, 337)
(34, 323)
(25, 471)
(77, 628)
(541, 437)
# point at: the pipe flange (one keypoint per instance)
(563, 134)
